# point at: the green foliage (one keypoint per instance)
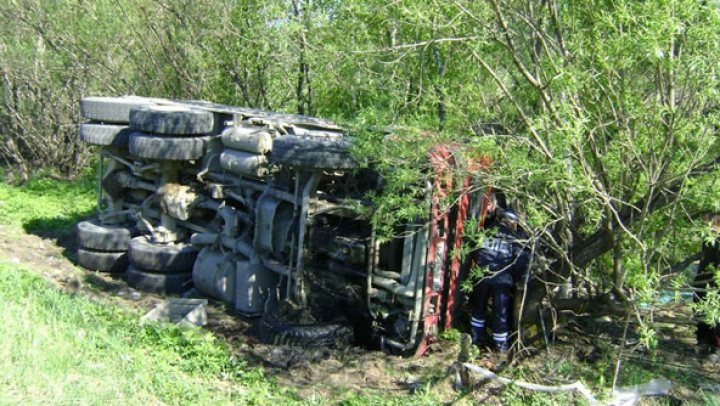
(451, 335)
(709, 307)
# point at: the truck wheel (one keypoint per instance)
(113, 262)
(161, 258)
(93, 235)
(166, 148)
(172, 120)
(335, 334)
(312, 153)
(162, 284)
(110, 109)
(105, 134)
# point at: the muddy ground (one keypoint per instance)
(580, 343)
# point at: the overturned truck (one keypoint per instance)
(268, 213)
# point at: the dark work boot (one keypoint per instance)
(477, 336)
(501, 343)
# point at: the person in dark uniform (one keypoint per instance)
(505, 261)
(708, 335)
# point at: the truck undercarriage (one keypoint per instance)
(268, 212)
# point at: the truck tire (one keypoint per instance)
(172, 120)
(113, 262)
(161, 258)
(312, 153)
(93, 235)
(161, 284)
(110, 109)
(112, 135)
(335, 334)
(165, 148)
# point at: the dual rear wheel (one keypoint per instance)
(146, 266)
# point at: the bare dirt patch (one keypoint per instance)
(328, 373)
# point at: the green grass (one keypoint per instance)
(62, 349)
(45, 204)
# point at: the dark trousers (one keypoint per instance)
(501, 307)
(707, 334)
(704, 279)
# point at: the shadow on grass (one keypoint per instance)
(681, 362)
(107, 282)
(61, 230)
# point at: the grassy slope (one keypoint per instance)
(60, 349)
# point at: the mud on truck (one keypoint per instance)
(261, 210)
